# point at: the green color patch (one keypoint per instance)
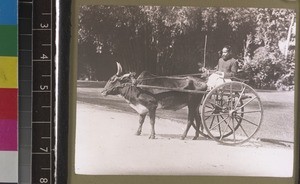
(8, 40)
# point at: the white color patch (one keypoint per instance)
(9, 166)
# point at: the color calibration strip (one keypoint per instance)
(8, 91)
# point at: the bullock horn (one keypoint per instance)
(119, 69)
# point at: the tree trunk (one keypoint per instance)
(289, 37)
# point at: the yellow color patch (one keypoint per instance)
(8, 72)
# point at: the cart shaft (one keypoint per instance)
(171, 89)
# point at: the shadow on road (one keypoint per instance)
(277, 142)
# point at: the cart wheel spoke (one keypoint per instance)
(240, 96)
(223, 132)
(209, 111)
(227, 126)
(209, 107)
(247, 112)
(220, 128)
(246, 103)
(212, 122)
(207, 118)
(226, 122)
(215, 105)
(247, 120)
(242, 127)
(211, 114)
(231, 97)
(244, 131)
(232, 121)
(219, 114)
(218, 124)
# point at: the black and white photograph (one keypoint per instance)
(185, 90)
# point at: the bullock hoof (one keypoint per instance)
(152, 137)
(195, 138)
(182, 137)
(138, 133)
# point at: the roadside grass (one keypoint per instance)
(90, 84)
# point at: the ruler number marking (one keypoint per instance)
(44, 26)
(44, 180)
(45, 150)
(44, 56)
(44, 87)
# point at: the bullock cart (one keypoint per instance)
(231, 113)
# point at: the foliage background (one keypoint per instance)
(170, 41)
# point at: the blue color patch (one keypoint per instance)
(8, 12)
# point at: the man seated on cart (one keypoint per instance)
(226, 69)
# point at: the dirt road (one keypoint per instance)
(277, 125)
(106, 144)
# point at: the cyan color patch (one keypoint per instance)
(8, 12)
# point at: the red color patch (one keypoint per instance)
(8, 104)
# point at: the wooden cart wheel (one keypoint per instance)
(231, 113)
(203, 131)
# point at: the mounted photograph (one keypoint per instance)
(185, 90)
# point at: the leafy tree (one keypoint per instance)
(170, 40)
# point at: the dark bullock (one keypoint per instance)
(147, 100)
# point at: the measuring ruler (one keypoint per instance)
(42, 120)
(36, 50)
